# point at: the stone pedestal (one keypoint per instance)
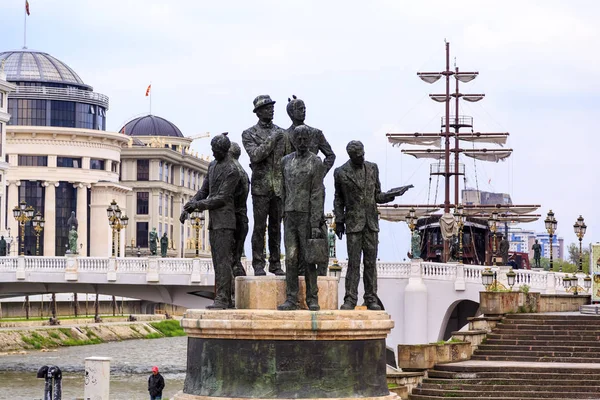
(265, 354)
(267, 292)
(71, 267)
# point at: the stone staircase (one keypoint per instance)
(526, 356)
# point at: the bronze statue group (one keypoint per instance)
(287, 186)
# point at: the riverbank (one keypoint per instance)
(23, 336)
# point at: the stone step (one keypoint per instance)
(566, 347)
(551, 317)
(509, 380)
(525, 387)
(548, 332)
(519, 342)
(541, 358)
(537, 327)
(507, 321)
(500, 369)
(495, 394)
(532, 335)
(457, 397)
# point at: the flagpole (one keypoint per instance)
(25, 26)
(150, 97)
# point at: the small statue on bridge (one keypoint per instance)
(537, 252)
(453, 249)
(72, 221)
(153, 241)
(164, 244)
(504, 247)
(2, 247)
(331, 240)
(415, 245)
(73, 240)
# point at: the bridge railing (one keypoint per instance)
(199, 271)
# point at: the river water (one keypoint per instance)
(131, 364)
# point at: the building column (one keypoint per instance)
(50, 218)
(177, 228)
(81, 214)
(13, 225)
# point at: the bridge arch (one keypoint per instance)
(456, 317)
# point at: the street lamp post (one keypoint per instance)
(580, 228)
(23, 214)
(38, 226)
(492, 222)
(197, 221)
(551, 223)
(460, 221)
(117, 221)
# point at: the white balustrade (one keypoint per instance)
(45, 263)
(8, 263)
(175, 265)
(93, 264)
(441, 271)
(473, 273)
(132, 265)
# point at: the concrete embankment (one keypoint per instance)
(23, 336)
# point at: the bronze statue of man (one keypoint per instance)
(164, 244)
(217, 196)
(296, 110)
(266, 144)
(303, 209)
(357, 193)
(504, 248)
(241, 211)
(537, 253)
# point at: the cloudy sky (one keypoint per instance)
(354, 63)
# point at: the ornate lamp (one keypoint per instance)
(488, 277)
(511, 277)
(335, 270)
(580, 227)
(551, 224)
(459, 216)
(492, 222)
(38, 226)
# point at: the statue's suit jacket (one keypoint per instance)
(355, 202)
(265, 158)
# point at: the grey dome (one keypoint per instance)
(36, 66)
(151, 125)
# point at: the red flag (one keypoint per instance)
(148, 90)
(27, 7)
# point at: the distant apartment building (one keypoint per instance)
(522, 241)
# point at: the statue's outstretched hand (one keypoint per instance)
(183, 217)
(190, 206)
(340, 229)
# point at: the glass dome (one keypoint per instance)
(36, 66)
(151, 125)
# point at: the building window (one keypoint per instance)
(167, 231)
(114, 166)
(34, 195)
(62, 113)
(172, 201)
(27, 112)
(85, 116)
(166, 205)
(160, 171)
(172, 174)
(189, 179)
(142, 203)
(182, 172)
(141, 234)
(96, 163)
(166, 172)
(143, 170)
(66, 201)
(68, 162)
(194, 181)
(33, 161)
(159, 230)
(160, 205)
(1, 100)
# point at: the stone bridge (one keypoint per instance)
(426, 300)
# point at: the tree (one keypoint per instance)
(573, 252)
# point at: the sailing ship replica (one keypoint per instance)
(473, 223)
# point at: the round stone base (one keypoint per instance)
(261, 354)
(183, 396)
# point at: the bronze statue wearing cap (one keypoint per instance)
(266, 144)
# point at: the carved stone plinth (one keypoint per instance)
(267, 292)
(264, 354)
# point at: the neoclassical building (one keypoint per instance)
(61, 159)
(163, 175)
(5, 89)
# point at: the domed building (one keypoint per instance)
(60, 157)
(163, 175)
